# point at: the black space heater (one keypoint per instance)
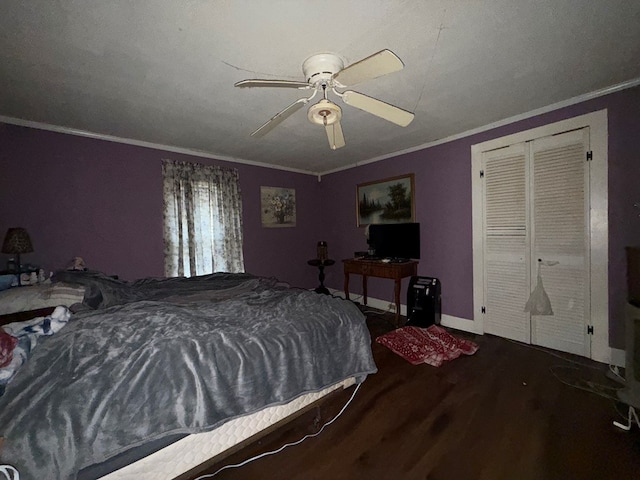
(424, 304)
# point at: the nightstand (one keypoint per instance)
(17, 273)
(321, 264)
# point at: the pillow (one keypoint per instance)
(34, 297)
(6, 281)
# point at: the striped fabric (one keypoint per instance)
(34, 297)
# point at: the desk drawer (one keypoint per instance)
(380, 269)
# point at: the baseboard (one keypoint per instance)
(618, 357)
(376, 303)
(462, 324)
(449, 321)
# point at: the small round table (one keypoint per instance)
(321, 264)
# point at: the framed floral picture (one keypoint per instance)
(390, 200)
(278, 207)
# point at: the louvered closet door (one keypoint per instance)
(506, 242)
(559, 213)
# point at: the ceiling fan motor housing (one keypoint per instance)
(321, 67)
(325, 72)
(324, 113)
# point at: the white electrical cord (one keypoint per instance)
(616, 373)
(631, 417)
(298, 442)
(9, 472)
(602, 390)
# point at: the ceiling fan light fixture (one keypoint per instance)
(324, 113)
(321, 67)
(324, 72)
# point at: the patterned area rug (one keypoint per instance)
(432, 345)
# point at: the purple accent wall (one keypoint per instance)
(443, 206)
(102, 201)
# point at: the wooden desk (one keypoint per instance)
(376, 268)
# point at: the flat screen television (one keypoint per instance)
(397, 241)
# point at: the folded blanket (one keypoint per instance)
(433, 345)
(7, 344)
(26, 339)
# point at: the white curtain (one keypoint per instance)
(202, 219)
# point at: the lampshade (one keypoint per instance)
(17, 240)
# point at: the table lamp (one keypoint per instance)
(17, 241)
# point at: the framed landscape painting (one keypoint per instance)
(386, 201)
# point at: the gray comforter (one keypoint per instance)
(103, 291)
(119, 377)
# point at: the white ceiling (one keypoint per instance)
(163, 71)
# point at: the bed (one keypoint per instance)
(151, 366)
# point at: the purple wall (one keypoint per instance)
(103, 201)
(443, 206)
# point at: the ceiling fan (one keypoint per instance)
(326, 71)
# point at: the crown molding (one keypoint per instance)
(140, 143)
(500, 123)
(186, 151)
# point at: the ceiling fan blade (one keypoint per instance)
(279, 117)
(376, 65)
(378, 108)
(335, 136)
(271, 83)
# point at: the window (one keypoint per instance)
(202, 219)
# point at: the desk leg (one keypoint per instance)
(364, 289)
(346, 286)
(397, 298)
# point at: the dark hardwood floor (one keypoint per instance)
(507, 412)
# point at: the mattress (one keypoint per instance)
(193, 450)
(146, 373)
